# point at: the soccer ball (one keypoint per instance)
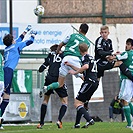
(39, 10)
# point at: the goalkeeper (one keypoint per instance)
(11, 58)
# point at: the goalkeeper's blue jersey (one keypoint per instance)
(12, 52)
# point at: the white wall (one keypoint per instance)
(23, 11)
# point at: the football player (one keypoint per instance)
(53, 61)
(103, 49)
(88, 87)
(11, 58)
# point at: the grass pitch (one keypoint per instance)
(99, 127)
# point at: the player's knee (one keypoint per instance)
(118, 63)
(76, 105)
(6, 96)
(64, 101)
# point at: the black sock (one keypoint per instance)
(78, 117)
(86, 105)
(83, 111)
(125, 71)
(62, 112)
(43, 113)
(4, 105)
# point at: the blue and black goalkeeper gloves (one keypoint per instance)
(28, 28)
(33, 33)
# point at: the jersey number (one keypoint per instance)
(72, 48)
(57, 58)
(94, 68)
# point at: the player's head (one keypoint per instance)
(129, 44)
(83, 28)
(54, 47)
(104, 31)
(83, 48)
(8, 39)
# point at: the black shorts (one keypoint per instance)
(62, 92)
(102, 66)
(86, 91)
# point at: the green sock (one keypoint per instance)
(127, 112)
(53, 86)
(131, 108)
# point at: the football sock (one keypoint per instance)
(127, 112)
(125, 71)
(85, 114)
(86, 106)
(131, 108)
(53, 86)
(62, 112)
(43, 113)
(78, 117)
(4, 105)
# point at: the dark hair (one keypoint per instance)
(7, 40)
(117, 97)
(54, 47)
(129, 40)
(84, 28)
(83, 47)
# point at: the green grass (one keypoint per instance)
(99, 127)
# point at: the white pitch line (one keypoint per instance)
(18, 131)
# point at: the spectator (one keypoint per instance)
(116, 107)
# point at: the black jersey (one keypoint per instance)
(53, 60)
(91, 73)
(103, 48)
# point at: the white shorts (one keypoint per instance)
(64, 69)
(126, 90)
(1, 88)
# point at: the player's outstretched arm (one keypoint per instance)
(72, 66)
(31, 40)
(59, 47)
(28, 42)
(21, 37)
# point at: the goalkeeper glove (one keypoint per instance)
(33, 33)
(28, 28)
